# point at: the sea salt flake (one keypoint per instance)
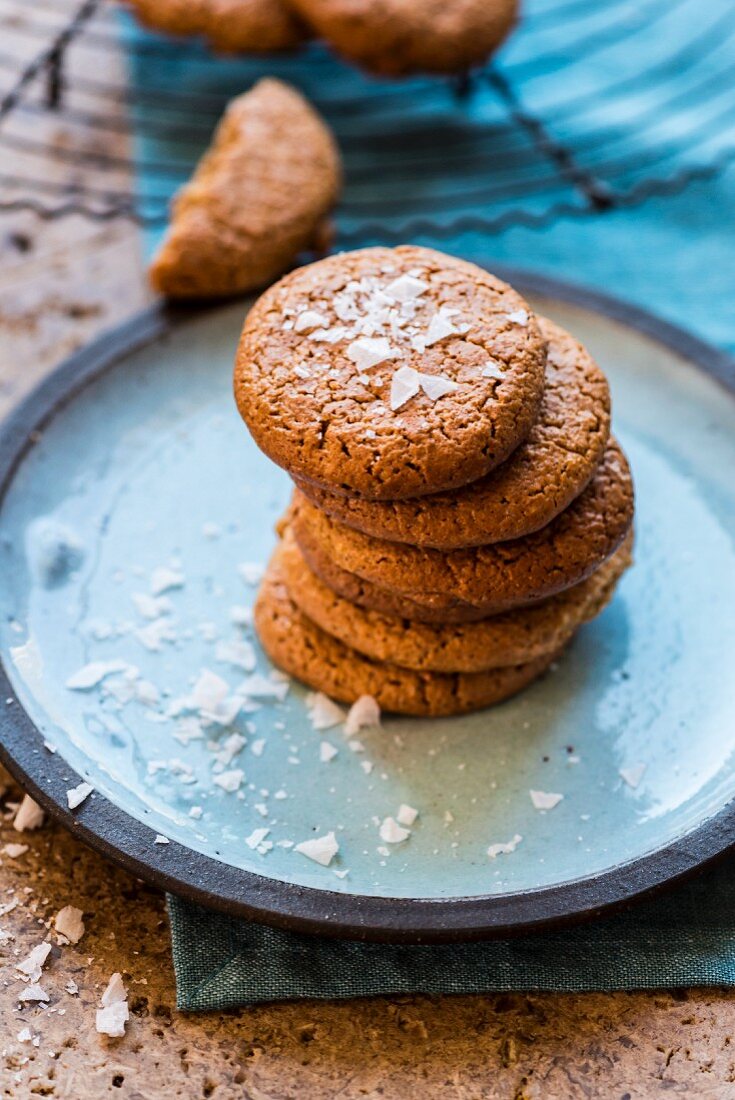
(151, 607)
(329, 335)
(77, 795)
(71, 987)
(321, 849)
(240, 615)
(256, 838)
(496, 850)
(33, 992)
(301, 371)
(393, 833)
(29, 816)
(32, 965)
(15, 851)
(440, 326)
(633, 775)
(406, 288)
(153, 636)
(367, 766)
(406, 814)
(164, 579)
(327, 752)
(251, 572)
(368, 351)
(261, 808)
(518, 317)
(257, 747)
(492, 370)
(404, 385)
(436, 385)
(25, 1035)
(94, 673)
(69, 924)
(196, 812)
(323, 711)
(231, 780)
(363, 714)
(356, 746)
(545, 800)
(309, 320)
(111, 1018)
(239, 654)
(161, 839)
(264, 687)
(188, 729)
(230, 747)
(115, 993)
(209, 691)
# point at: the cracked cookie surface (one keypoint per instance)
(541, 478)
(302, 649)
(390, 373)
(507, 639)
(491, 578)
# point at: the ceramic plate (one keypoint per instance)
(130, 470)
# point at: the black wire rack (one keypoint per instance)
(590, 107)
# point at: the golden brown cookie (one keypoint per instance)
(229, 25)
(255, 201)
(390, 373)
(393, 37)
(541, 478)
(496, 577)
(301, 649)
(509, 639)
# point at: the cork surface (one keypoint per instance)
(515, 1047)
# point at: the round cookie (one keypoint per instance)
(539, 480)
(509, 639)
(390, 373)
(497, 577)
(394, 37)
(301, 649)
(229, 25)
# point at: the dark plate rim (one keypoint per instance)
(199, 878)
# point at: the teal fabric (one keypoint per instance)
(683, 938)
(597, 149)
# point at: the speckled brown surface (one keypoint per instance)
(256, 199)
(312, 409)
(229, 25)
(299, 647)
(60, 284)
(496, 577)
(501, 640)
(393, 37)
(542, 476)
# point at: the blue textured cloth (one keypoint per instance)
(596, 149)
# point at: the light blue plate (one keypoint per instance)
(150, 466)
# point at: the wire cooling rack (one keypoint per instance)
(590, 106)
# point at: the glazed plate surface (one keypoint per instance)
(132, 459)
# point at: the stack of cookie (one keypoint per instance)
(460, 506)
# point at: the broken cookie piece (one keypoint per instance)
(257, 198)
(228, 25)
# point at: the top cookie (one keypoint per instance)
(541, 478)
(394, 37)
(390, 373)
